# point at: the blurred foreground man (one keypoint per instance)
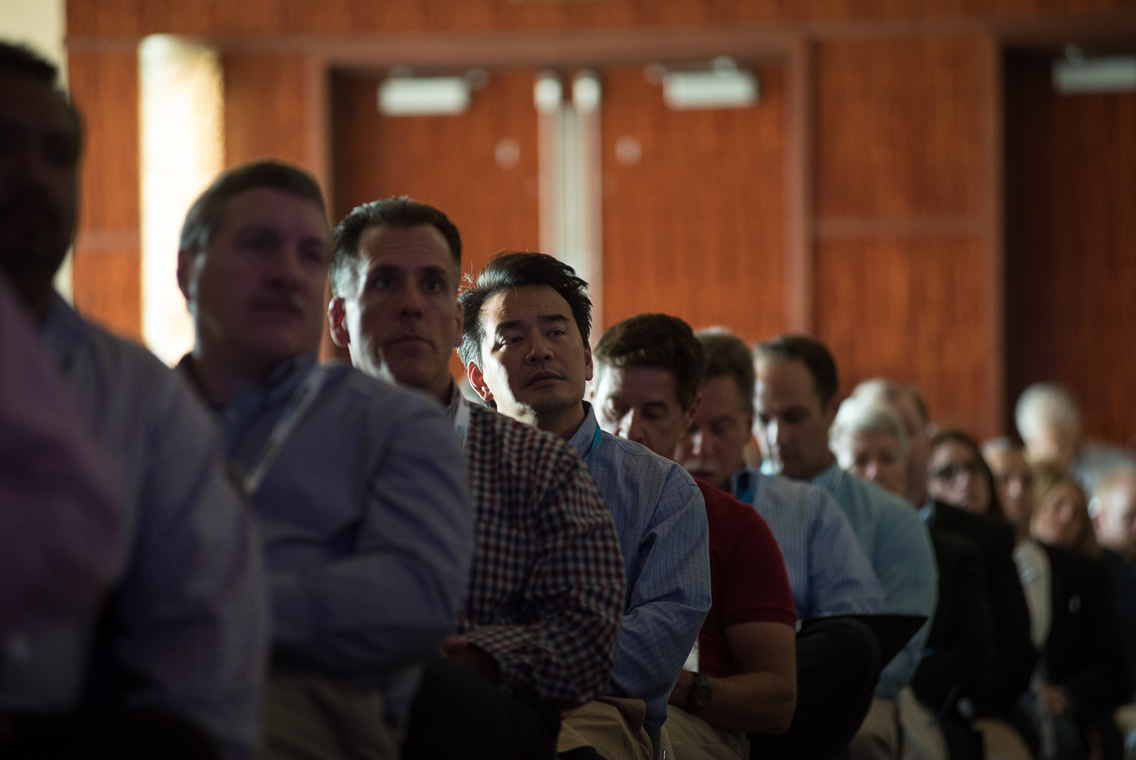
(540, 624)
(796, 402)
(526, 322)
(358, 486)
(184, 629)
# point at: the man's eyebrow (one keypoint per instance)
(513, 324)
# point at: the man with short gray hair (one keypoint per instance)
(1049, 422)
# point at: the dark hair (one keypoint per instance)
(510, 270)
(396, 211)
(812, 353)
(968, 442)
(204, 216)
(660, 341)
(22, 61)
(727, 356)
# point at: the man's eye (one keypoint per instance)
(433, 286)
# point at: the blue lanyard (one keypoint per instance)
(746, 495)
(595, 440)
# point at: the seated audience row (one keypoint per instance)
(259, 554)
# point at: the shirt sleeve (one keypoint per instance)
(670, 596)
(192, 609)
(573, 596)
(755, 588)
(393, 600)
(905, 564)
(59, 524)
(841, 578)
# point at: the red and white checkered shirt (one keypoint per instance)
(547, 584)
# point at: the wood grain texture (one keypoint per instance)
(264, 17)
(450, 162)
(104, 86)
(1070, 269)
(899, 128)
(266, 108)
(107, 287)
(911, 310)
(695, 226)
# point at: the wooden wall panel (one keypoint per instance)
(1070, 269)
(910, 309)
(135, 17)
(106, 275)
(450, 162)
(267, 108)
(694, 226)
(899, 131)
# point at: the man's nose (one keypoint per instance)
(633, 423)
(871, 471)
(539, 349)
(410, 301)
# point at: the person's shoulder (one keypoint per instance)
(778, 489)
(375, 393)
(883, 501)
(641, 459)
(721, 506)
(520, 441)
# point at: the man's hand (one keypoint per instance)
(1053, 699)
(681, 691)
(473, 657)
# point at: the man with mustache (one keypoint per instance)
(829, 575)
(540, 624)
(184, 629)
(526, 322)
(358, 486)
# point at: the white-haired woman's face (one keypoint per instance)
(876, 457)
(1062, 516)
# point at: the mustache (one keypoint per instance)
(31, 203)
(286, 299)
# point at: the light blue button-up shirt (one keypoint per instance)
(366, 524)
(899, 547)
(661, 519)
(829, 574)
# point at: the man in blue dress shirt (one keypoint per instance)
(526, 322)
(796, 402)
(359, 487)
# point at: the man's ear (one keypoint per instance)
(688, 415)
(186, 271)
(337, 321)
(477, 382)
(458, 328)
(588, 366)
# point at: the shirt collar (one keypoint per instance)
(281, 382)
(455, 401)
(829, 478)
(584, 436)
(63, 329)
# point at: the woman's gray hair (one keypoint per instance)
(863, 414)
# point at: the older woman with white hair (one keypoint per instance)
(869, 440)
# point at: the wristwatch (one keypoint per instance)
(699, 695)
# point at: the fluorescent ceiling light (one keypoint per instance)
(684, 90)
(1090, 75)
(423, 96)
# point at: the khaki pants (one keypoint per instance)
(614, 726)
(878, 737)
(694, 739)
(312, 718)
